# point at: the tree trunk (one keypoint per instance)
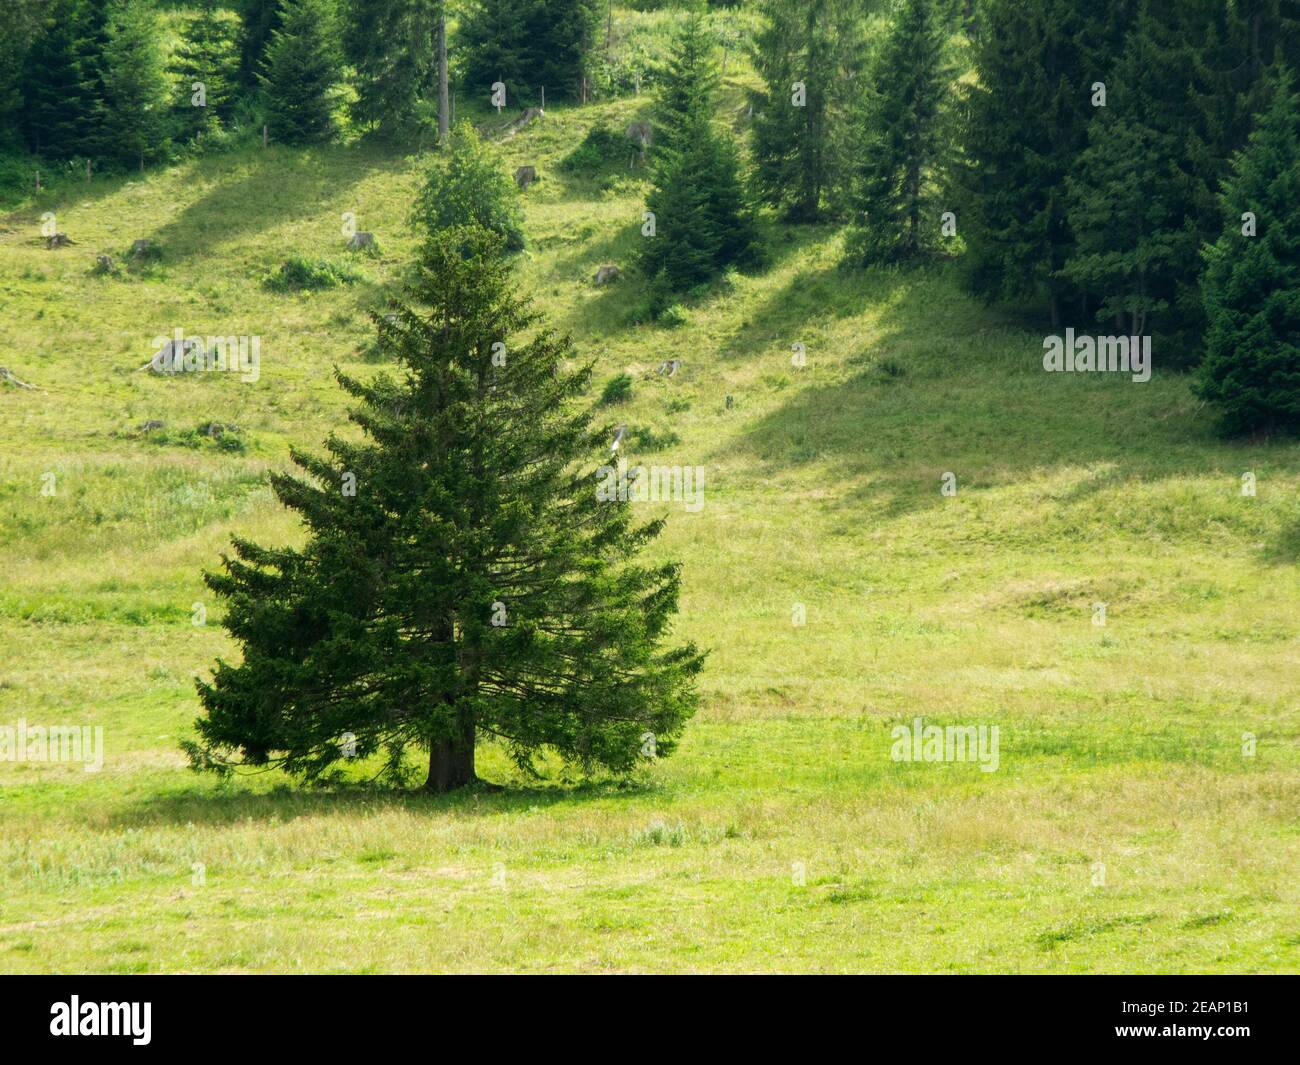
(444, 108)
(451, 762)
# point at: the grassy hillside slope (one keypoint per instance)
(1124, 829)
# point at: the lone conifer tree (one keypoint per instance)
(702, 220)
(1251, 285)
(302, 73)
(463, 575)
(903, 140)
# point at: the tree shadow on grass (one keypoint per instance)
(942, 385)
(277, 185)
(229, 805)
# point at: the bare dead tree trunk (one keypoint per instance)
(444, 107)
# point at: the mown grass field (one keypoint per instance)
(1121, 746)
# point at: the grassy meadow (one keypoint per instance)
(1127, 827)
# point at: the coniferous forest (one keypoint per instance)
(650, 486)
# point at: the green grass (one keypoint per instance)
(781, 836)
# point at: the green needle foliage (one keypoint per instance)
(136, 87)
(702, 220)
(1251, 285)
(903, 142)
(463, 577)
(303, 71)
(801, 152)
(208, 54)
(470, 186)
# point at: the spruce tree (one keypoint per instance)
(1142, 194)
(53, 122)
(688, 79)
(206, 54)
(259, 20)
(702, 221)
(135, 85)
(90, 36)
(302, 73)
(527, 45)
(1251, 284)
(903, 144)
(470, 186)
(464, 577)
(809, 56)
(1024, 123)
(24, 26)
(392, 45)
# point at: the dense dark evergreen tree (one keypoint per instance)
(470, 186)
(463, 577)
(392, 44)
(528, 45)
(1143, 194)
(135, 85)
(801, 143)
(702, 222)
(207, 54)
(302, 73)
(23, 22)
(260, 19)
(1024, 123)
(904, 138)
(63, 91)
(1251, 285)
(91, 41)
(688, 79)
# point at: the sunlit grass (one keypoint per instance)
(781, 835)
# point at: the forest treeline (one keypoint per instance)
(1125, 166)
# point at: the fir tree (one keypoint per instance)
(527, 45)
(479, 583)
(687, 81)
(392, 44)
(53, 118)
(702, 222)
(259, 20)
(903, 140)
(90, 35)
(809, 55)
(1142, 196)
(208, 55)
(302, 74)
(135, 84)
(24, 18)
(470, 186)
(1024, 122)
(1251, 285)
